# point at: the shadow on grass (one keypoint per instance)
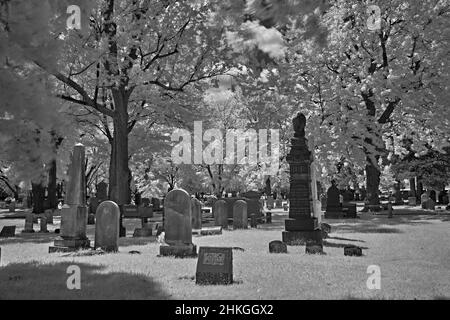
(35, 237)
(35, 280)
(344, 239)
(338, 245)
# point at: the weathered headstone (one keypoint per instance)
(196, 214)
(430, 204)
(49, 215)
(214, 266)
(314, 248)
(301, 226)
(107, 226)
(277, 246)
(43, 225)
(268, 217)
(412, 201)
(8, 232)
(93, 204)
(349, 210)
(270, 203)
(334, 209)
(352, 251)
(253, 221)
(29, 217)
(423, 198)
(74, 212)
(254, 206)
(220, 214)
(178, 225)
(240, 219)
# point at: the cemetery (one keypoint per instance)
(105, 194)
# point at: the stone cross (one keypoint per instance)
(107, 226)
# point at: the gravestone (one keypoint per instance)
(254, 206)
(43, 225)
(314, 248)
(277, 246)
(349, 210)
(270, 203)
(74, 213)
(178, 225)
(240, 219)
(196, 214)
(156, 203)
(429, 204)
(352, 251)
(91, 219)
(253, 221)
(412, 201)
(93, 204)
(333, 209)
(8, 232)
(278, 202)
(268, 217)
(301, 227)
(214, 266)
(49, 215)
(220, 214)
(107, 226)
(29, 217)
(102, 192)
(423, 198)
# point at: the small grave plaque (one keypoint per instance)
(8, 231)
(214, 266)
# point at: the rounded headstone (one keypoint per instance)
(240, 219)
(277, 246)
(177, 217)
(220, 214)
(107, 226)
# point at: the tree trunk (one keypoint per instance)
(372, 183)
(112, 169)
(412, 187)
(120, 192)
(38, 191)
(51, 188)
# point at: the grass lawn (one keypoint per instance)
(412, 251)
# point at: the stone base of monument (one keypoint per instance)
(178, 250)
(68, 245)
(142, 232)
(298, 238)
(338, 214)
(301, 224)
(28, 231)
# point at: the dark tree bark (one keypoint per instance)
(372, 183)
(51, 187)
(412, 187)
